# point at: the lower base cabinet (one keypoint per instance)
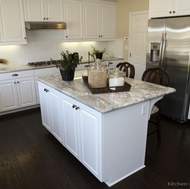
(50, 111)
(75, 125)
(81, 129)
(17, 90)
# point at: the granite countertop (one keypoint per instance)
(140, 91)
(12, 67)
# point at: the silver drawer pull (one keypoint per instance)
(74, 106)
(46, 90)
(15, 75)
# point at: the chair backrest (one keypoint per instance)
(156, 75)
(128, 68)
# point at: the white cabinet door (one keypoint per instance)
(82, 133)
(99, 20)
(70, 126)
(168, 8)
(90, 139)
(160, 8)
(50, 110)
(26, 91)
(54, 10)
(12, 27)
(17, 90)
(8, 95)
(79, 125)
(107, 21)
(182, 7)
(54, 113)
(73, 18)
(44, 106)
(34, 10)
(43, 10)
(91, 28)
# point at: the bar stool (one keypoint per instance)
(161, 77)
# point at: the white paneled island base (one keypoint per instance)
(107, 133)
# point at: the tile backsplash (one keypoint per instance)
(45, 44)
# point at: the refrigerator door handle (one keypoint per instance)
(161, 50)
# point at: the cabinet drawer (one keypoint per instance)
(16, 75)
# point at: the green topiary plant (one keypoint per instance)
(69, 61)
(96, 53)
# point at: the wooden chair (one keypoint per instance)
(128, 68)
(161, 77)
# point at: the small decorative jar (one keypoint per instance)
(116, 78)
(97, 75)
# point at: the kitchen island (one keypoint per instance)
(107, 132)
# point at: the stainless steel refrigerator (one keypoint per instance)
(169, 48)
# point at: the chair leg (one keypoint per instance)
(159, 129)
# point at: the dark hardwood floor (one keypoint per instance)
(31, 158)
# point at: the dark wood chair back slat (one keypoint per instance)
(128, 68)
(156, 75)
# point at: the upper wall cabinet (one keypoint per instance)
(43, 10)
(91, 20)
(99, 20)
(12, 28)
(73, 19)
(168, 8)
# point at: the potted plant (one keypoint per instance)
(97, 53)
(67, 65)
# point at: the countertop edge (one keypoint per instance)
(108, 109)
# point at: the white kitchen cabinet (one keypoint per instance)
(8, 97)
(73, 18)
(44, 105)
(26, 91)
(92, 20)
(82, 131)
(43, 10)
(182, 7)
(50, 110)
(12, 27)
(70, 126)
(91, 140)
(80, 126)
(17, 90)
(99, 20)
(168, 8)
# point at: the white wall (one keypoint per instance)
(45, 44)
